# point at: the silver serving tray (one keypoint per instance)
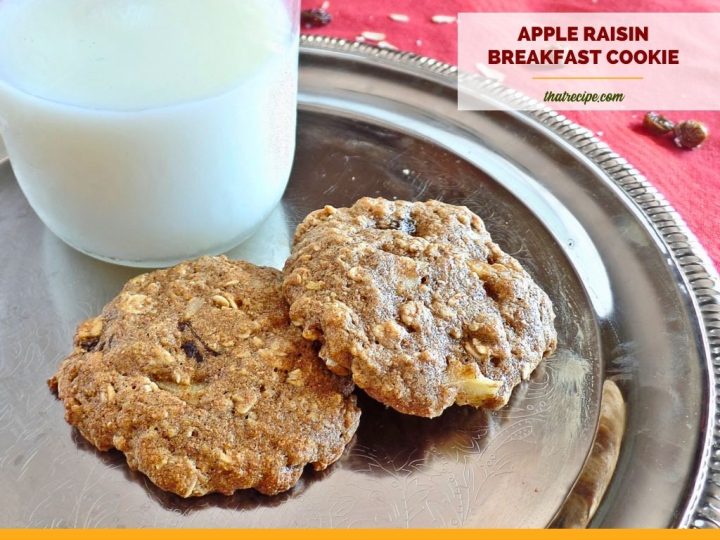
(635, 295)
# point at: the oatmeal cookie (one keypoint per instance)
(417, 304)
(197, 375)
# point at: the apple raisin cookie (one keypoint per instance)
(197, 375)
(416, 302)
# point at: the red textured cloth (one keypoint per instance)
(688, 179)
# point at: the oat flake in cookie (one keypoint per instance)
(417, 303)
(197, 375)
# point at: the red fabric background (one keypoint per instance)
(688, 179)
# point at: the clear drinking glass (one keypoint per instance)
(144, 132)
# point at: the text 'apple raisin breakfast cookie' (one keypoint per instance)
(197, 375)
(417, 304)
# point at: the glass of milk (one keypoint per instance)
(144, 132)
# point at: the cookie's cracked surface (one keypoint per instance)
(417, 304)
(197, 375)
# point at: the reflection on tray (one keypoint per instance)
(583, 501)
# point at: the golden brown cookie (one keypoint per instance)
(197, 375)
(417, 303)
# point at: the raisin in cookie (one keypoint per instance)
(417, 303)
(197, 375)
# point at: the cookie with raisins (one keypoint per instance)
(197, 375)
(417, 304)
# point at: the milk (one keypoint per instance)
(148, 131)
